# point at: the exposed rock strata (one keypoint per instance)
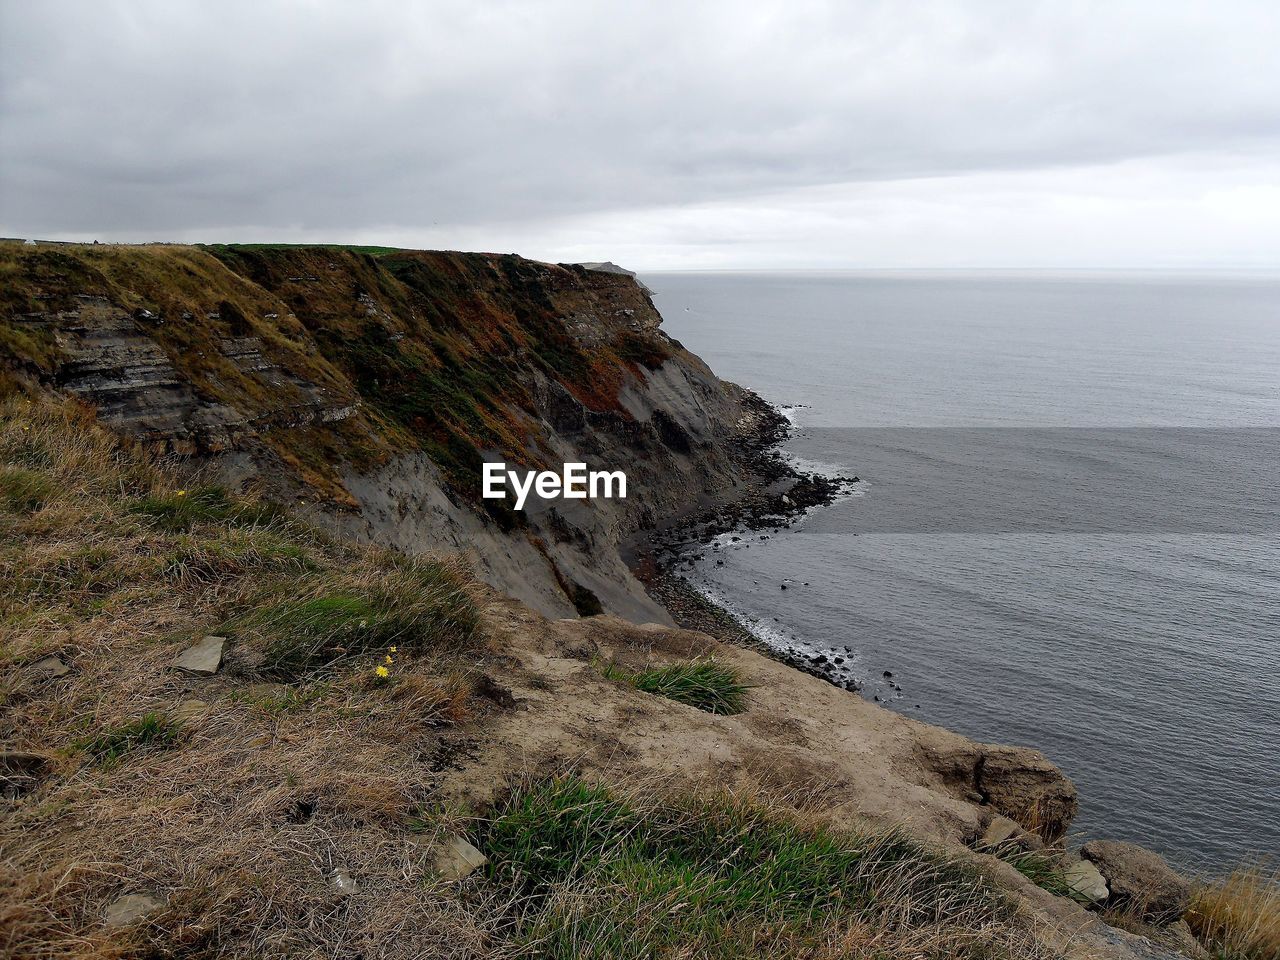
(278, 368)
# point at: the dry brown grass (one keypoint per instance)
(233, 799)
(1239, 918)
(238, 819)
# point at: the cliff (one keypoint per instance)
(231, 728)
(368, 387)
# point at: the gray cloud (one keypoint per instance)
(141, 119)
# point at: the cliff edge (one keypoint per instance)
(255, 704)
(366, 389)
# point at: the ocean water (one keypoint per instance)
(1066, 532)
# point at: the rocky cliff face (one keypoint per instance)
(369, 387)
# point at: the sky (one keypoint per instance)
(660, 135)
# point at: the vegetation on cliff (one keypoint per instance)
(294, 796)
(615, 875)
(418, 350)
(226, 813)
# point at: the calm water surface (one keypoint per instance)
(1129, 630)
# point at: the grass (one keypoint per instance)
(23, 490)
(179, 510)
(420, 605)
(1238, 918)
(704, 684)
(281, 700)
(152, 729)
(112, 571)
(354, 248)
(606, 874)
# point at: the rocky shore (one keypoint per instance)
(775, 496)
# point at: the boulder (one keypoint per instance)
(1140, 881)
(1086, 881)
(1024, 786)
(1003, 832)
(203, 658)
(456, 858)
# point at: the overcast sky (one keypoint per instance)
(660, 135)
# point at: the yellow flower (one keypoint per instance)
(381, 671)
(389, 660)
(392, 649)
(182, 493)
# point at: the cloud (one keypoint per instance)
(770, 129)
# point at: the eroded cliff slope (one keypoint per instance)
(368, 386)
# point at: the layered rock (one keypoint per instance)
(370, 389)
(1019, 784)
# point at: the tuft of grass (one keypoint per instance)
(23, 490)
(152, 729)
(180, 510)
(704, 684)
(198, 559)
(418, 605)
(603, 874)
(280, 701)
(1238, 918)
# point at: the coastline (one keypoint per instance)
(777, 495)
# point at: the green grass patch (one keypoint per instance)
(234, 552)
(282, 700)
(608, 875)
(23, 490)
(648, 351)
(418, 605)
(182, 509)
(154, 730)
(704, 684)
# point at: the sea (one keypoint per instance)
(1065, 531)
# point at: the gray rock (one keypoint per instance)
(47, 668)
(1002, 831)
(203, 658)
(1083, 878)
(131, 907)
(343, 882)
(1140, 881)
(456, 858)
(21, 772)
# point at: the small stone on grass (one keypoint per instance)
(131, 907)
(343, 882)
(203, 658)
(456, 858)
(47, 668)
